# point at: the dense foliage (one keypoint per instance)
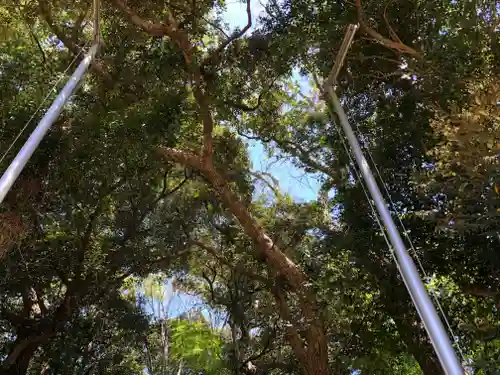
(142, 195)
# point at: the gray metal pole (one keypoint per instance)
(432, 322)
(15, 168)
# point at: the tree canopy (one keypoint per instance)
(140, 239)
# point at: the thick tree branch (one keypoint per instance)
(89, 229)
(47, 16)
(180, 37)
(45, 369)
(90, 225)
(22, 345)
(290, 329)
(481, 291)
(40, 301)
(171, 29)
(27, 301)
(278, 261)
(210, 283)
(264, 244)
(282, 266)
(206, 117)
(40, 335)
(386, 42)
(153, 29)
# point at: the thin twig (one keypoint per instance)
(392, 33)
(214, 55)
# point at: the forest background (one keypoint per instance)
(194, 210)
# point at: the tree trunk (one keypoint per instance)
(21, 355)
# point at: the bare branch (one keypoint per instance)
(382, 76)
(386, 42)
(266, 349)
(295, 150)
(212, 251)
(274, 186)
(303, 155)
(216, 53)
(381, 58)
(210, 283)
(215, 26)
(164, 192)
(148, 353)
(245, 108)
(68, 42)
(77, 27)
(44, 58)
(95, 214)
(254, 137)
(35, 38)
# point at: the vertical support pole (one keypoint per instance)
(15, 168)
(432, 322)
